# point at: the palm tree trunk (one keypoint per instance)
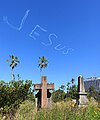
(11, 74)
(40, 73)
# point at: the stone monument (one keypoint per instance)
(81, 94)
(43, 97)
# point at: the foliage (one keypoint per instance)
(42, 63)
(25, 111)
(58, 95)
(67, 111)
(13, 63)
(59, 111)
(92, 92)
(71, 90)
(12, 94)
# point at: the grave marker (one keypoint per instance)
(43, 97)
(81, 94)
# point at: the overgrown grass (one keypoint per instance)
(25, 111)
(67, 111)
(60, 111)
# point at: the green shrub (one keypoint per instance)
(12, 94)
(58, 95)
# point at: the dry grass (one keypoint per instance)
(59, 111)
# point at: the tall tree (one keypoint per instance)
(68, 86)
(72, 81)
(13, 63)
(62, 87)
(42, 63)
(71, 90)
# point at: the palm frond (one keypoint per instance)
(14, 61)
(42, 63)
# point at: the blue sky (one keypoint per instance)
(66, 32)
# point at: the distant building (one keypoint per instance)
(92, 81)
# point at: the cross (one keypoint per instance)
(44, 88)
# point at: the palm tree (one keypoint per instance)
(68, 86)
(42, 63)
(72, 81)
(13, 63)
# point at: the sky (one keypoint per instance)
(66, 32)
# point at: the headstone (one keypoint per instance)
(43, 96)
(81, 94)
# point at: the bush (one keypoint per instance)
(58, 95)
(12, 94)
